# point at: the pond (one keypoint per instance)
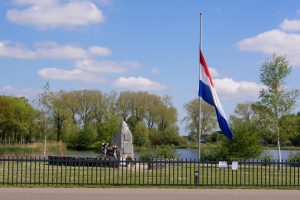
(193, 153)
(182, 153)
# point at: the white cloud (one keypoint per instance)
(213, 72)
(50, 50)
(99, 51)
(8, 49)
(69, 75)
(155, 70)
(55, 13)
(55, 51)
(274, 41)
(290, 25)
(138, 83)
(88, 70)
(20, 92)
(106, 66)
(228, 88)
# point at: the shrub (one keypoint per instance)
(213, 152)
(266, 158)
(146, 156)
(294, 159)
(82, 140)
(168, 152)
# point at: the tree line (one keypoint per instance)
(85, 118)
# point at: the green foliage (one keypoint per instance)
(245, 143)
(212, 138)
(214, 152)
(294, 158)
(168, 152)
(107, 129)
(140, 135)
(208, 119)
(17, 120)
(169, 136)
(82, 140)
(13, 150)
(267, 157)
(276, 101)
(147, 156)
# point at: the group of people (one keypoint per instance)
(110, 151)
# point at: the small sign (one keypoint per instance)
(234, 165)
(222, 164)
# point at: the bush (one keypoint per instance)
(294, 159)
(266, 158)
(146, 156)
(213, 152)
(168, 152)
(245, 143)
(82, 140)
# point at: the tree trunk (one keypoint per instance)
(279, 151)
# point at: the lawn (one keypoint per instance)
(250, 174)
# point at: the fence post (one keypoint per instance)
(196, 177)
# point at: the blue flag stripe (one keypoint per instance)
(206, 94)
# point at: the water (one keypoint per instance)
(182, 153)
(193, 153)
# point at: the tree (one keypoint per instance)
(55, 104)
(276, 101)
(292, 124)
(17, 120)
(140, 134)
(86, 102)
(208, 118)
(246, 142)
(155, 112)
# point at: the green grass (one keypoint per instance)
(282, 148)
(33, 173)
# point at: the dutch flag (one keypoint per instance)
(208, 93)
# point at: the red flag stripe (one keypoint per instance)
(203, 63)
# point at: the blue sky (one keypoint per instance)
(145, 45)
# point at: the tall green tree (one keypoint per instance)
(207, 120)
(55, 104)
(275, 99)
(17, 120)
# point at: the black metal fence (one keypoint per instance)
(83, 171)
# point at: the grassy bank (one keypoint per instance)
(282, 148)
(30, 149)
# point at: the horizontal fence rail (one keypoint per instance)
(94, 171)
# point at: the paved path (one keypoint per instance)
(145, 194)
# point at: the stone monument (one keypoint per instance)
(123, 140)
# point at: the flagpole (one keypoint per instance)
(199, 131)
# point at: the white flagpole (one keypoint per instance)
(199, 131)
